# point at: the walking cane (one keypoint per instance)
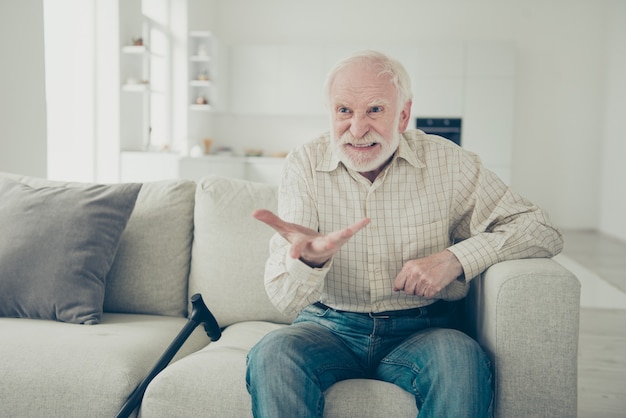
(200, 314)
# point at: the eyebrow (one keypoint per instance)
(378, 102)
(375, 102)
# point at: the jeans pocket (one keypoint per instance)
(312, 312)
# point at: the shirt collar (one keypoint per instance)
(330, 161)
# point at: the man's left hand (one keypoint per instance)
(429, 275)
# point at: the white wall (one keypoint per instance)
(82, 76)
(22, 87)
(568, 152)
(613, 186)
(561, 68)
(70, 81)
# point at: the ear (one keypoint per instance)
(405, 116)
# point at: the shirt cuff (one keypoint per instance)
(475, 255)
(303, 273)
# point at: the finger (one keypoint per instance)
(295, 251)
(265, 215)
(399, 283)
(431, 292)
(269, 218)
(338, 238)
(357, 226)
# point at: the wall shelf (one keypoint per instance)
(200, 55)
(200, 83)
(201, 107)
(200, 34)
(200, 58)
(135, 49)
(138, 87)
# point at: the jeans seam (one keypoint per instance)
(325, 369)
(407, 364)
(415, 372)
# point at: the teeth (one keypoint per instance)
(363, 145)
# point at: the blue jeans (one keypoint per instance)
(446, 371)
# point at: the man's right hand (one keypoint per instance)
(311, 247)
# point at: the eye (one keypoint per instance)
(344, 112)
(376, 109)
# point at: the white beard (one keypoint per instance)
(363, 162)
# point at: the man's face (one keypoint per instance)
(366, 120)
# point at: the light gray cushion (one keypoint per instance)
(151, 269)
(55, 369)
(57, 246)
(230, 249)
(218, 371)
(524, 313)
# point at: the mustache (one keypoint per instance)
(368, 138)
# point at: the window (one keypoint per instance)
(159, 40)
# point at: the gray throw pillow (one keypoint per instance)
(57, 245)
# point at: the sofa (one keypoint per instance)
(181, 238)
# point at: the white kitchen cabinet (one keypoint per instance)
(438, 97)
(255, 79)
(488, 119)
(277, 80)
(489, 103)
(148, 166)
(264, 169)
(195, 168)
(258, 169)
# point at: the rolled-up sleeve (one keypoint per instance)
(497, 224)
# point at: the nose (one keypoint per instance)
(359, 125)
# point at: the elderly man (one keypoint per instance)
(381, 298)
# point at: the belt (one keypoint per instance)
(434, 309)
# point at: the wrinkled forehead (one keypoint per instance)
(363, 82)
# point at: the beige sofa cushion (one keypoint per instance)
(218, 373)
(56, 369)
(150, 272)
(230, 249)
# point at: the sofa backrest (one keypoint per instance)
(150, 272)
(151, 268)
(230, 249)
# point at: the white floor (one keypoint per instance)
(599, 262)
(595, 292)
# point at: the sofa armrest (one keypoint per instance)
(525, 314)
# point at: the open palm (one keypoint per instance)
(307, 244)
